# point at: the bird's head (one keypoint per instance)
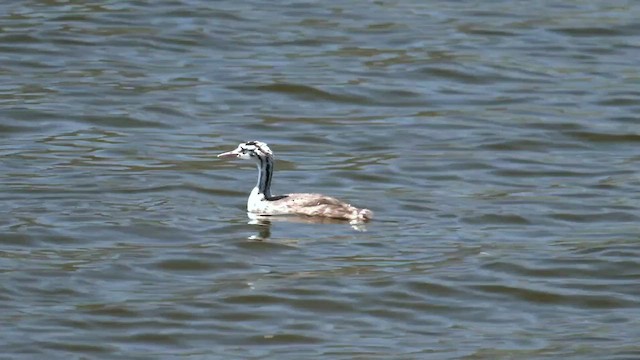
(250, 150)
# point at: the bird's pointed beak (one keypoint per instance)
(228, 155)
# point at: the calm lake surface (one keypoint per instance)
(498, 143)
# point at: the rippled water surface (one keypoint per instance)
(498, 143)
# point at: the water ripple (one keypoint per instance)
(496, 143)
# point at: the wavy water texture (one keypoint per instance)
(496, 141)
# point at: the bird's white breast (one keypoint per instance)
(256, 201)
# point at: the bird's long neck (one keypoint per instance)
(265, 173)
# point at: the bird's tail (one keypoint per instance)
(365, 214)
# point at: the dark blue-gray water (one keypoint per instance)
(498, 143)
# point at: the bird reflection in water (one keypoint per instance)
(264, 223)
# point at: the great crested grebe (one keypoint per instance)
(261, 202)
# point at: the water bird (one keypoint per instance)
(261, 202)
